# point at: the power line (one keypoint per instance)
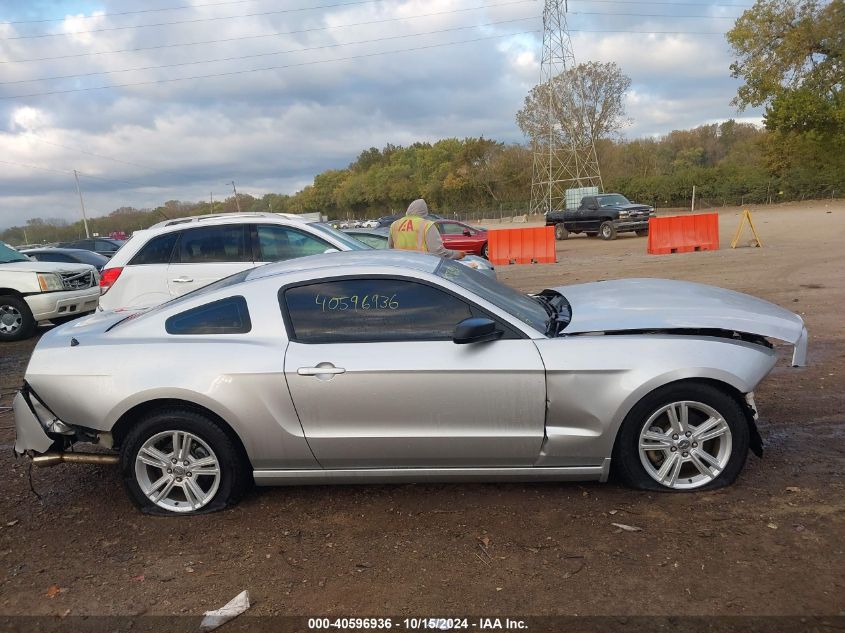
(266, 68)
(191, 21)
(109, 15)
(657, 15)
(673, 4)
(68, 173)
(262, 35)
(82, 151)
(254, 55)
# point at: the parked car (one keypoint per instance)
(269, 376)
(33, 291)
(178, 256)
(67, 255)
(377, 238)
(104, 246)
(604, 215)
(463, 237)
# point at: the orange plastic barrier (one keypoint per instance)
(683, 234)
(522, 246)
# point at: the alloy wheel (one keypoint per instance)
(685, 445)
(177, 471)
(11, 319)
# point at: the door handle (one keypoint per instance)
(182, 280)
(322, 370)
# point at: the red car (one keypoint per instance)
(463, 237)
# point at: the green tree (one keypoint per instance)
(784, 45)
(588, 104)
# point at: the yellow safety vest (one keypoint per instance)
(408, 233)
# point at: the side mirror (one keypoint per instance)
(467, 233)
(476, 330)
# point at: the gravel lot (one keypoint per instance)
(770, 545)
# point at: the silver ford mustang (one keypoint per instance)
(355, 367)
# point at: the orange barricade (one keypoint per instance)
(683, 234)
(522, 246)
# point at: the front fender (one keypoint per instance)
(593, 382)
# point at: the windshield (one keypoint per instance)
(515, 303)
(612, 200)
(9, 254)
(343, 238)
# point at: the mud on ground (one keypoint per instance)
(771, 544)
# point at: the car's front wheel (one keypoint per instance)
(16, 320)
(641, 232)
(560, 232)
(485, 251)
(182, 462)
(685, 436)
(607, 231)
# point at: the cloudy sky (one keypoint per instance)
(172, 99)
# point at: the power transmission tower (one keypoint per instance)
(561, 161)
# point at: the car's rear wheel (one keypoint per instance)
(16, 320)
(607, 231)
(642, 232)
(686, 436)
(179, 461)
(560, 232)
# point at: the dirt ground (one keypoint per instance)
(772, 544)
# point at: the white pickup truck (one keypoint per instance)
(32, 291)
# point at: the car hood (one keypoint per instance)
(44, 267)
(654, 304)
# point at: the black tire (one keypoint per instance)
(235, 471)
(560, 232)
(485, 251)
(627, 463)
(607, 231)
(16, 320)
(642, 233)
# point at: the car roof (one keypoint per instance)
(374, 258)
(376, 230)
(226, 218)
(61, 249)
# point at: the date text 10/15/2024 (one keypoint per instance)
(418, 624)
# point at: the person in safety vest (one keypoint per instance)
(415, 232)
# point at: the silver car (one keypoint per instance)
(394, 367)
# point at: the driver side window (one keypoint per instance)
(372, 310)
(450, 228)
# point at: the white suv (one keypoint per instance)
(33, 291)
(176, 256)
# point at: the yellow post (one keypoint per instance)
(746, 217)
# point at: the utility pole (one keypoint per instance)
(237, 202)
(82, 204)
(564, 157)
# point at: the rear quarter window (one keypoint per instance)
(226, 316)
(157, 251)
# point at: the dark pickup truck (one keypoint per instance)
(604, 215)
